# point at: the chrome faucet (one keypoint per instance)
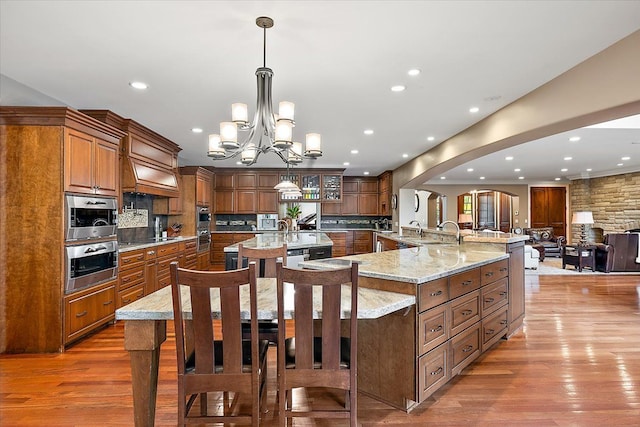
(419, 227)
(286, 226)
(442, 224)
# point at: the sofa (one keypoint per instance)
(531, 257)
(543, 236)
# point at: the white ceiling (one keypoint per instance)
(335, 60)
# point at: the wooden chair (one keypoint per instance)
(318, 355)
(265, 260)
(208, 363)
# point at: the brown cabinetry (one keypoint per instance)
(91, 164)
(88, 309)
(39, 145)
(362, 242)
(385, 191)
(131, 276)
(360, 197)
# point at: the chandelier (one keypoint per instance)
(267, 132)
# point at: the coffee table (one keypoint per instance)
(579, 256)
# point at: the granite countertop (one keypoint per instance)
(492, 237)
(415, 265)
(126, 247)
(294, 240)
(431, 236)
(372, 303)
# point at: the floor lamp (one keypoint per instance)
(582, 218)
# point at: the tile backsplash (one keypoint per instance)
(133, 218)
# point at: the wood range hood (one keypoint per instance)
(149, 161)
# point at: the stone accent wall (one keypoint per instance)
(614, 201)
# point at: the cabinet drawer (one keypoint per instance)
(465, 348)
(433, 371)
(495, 296)
(433, 293)
(130, 295)
(494, 327)
(163, 265)
(433, 328)
(164, 250)
(464, 312)
(88, 310)
(190, 245)
(131, 277)
(494, 271)
(461, 283)
(164, 281)
(150, 254)
(127, 260)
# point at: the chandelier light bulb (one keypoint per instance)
(248, 154)
(229, 135)
(215, 149)
(295, 153)
(313, 145)
(286, 110)
(239, 113)
(284, 134)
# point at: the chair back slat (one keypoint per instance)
(269, 256)
(202, 329)
(231, 330)
(303, 317)
(331, 297)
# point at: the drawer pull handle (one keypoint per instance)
(490, 332)
(503, 322)
(466, 283)
(488, 274)
(436, 294)
(108, 302)
(489, 300)
(84, 313)
(466, 312)
(503, 269)
(467, 349)
(436, 329)
(437, 371)
(151, 253)
(126, 301)
(126, 279)
(503, 294)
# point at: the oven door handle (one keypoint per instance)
(92, 250)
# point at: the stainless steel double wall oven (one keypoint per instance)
(91, 242)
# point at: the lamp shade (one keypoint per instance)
(582, 218)
(465, 218)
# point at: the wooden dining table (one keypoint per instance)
(145, 328)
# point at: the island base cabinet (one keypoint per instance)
(386, 358)
(494, 327)
(434, 371)
(465, 348)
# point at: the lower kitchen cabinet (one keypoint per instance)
(86, 310)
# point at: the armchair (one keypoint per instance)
(544, 237)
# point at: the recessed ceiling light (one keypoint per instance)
(589, 169)
(354, 151)
(521, 177)
(443, 177)
(346, 163)
(430, 138)
(516, 170)
(368, 132)
(568, 158)
(469, 169)
(196, 130)
(620, 164)
(366, 172)
(557, 179)
(413, 72)
(509, 158)
(397, 88)
(405, 155)
(564, 170)
(482, 177)
(574, 139)
(474, 109)
(626, 158)
(139, 85)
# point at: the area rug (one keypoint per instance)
(553, 266)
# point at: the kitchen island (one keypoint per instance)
(462, 301)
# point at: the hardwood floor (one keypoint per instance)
(575, 363)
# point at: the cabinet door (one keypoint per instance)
(267, 180)
(350, 204)
(331, 188)
(331, 209)
(368, 204)
(78, 164)
(246, 180)
(106, 171)
(223, 202)
(267, 201)
(368, 186)
(203, 190)
(245, 201)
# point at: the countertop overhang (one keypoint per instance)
(294, 240)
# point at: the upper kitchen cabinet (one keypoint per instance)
(91, 164)
(385, 188)
(149, 160)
